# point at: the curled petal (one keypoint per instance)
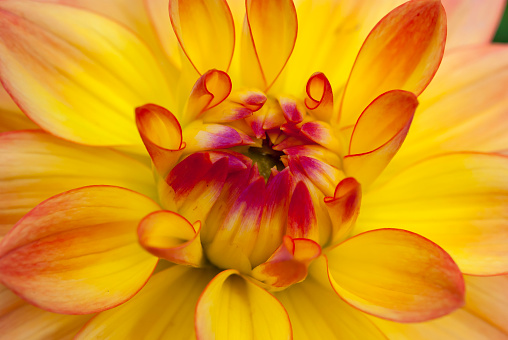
(206, 32)
(319, 98)
(268, 40)
(396, 275)
(77, 252)
(402, 52)
(257, 314)
(343, 208)
(162, 135)
(211, 89)
(379, 134)
(289, 263)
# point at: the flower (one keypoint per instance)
(298, 187)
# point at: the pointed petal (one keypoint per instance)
(77, 253)
(36, 166)
(302, 220)
(268, 40)
(162, 135)
(167, 304)
(472, 22)
(343, 208)
(457, 200)
(402, 52)
(258, 315)
(464, 108)
(379, 134)
(170, 236)
(81, 87)
(396, 275)
(317, 312)
(288, 264)
(20, 320)
(487, 298)
(206, 32)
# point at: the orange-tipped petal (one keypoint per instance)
(396, 275)
(68, 71)
(167, 304)
(77, 252)
(257, 314)
(211, 89)
(289, 263)
(457, 200)
(170, 236)
(343, 208)
(472, 22)
(402, 52)
(316, 312)
(35, 166)
(268, 40)
(379, 134)
(20, 320)
(206, 32)
(319, 98)
(162, 135)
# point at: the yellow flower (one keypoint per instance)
(253, 170)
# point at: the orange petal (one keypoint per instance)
(379, 134)
(472, 22)
(210, 89)
(402, 52)
(464, 108)
(162, 135)
(206, 32)
(316, 312)
(167, 303)
(319, 98)
(36, 166)
(343, 208)
(268, 39)
(77, 252)
(288, 264)
(457, 200)
(257, 314)
(20, 320)
(77, 74)
(396, 275)
(170, 236)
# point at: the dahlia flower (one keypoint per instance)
(259, 169)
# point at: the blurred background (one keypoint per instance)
(502, 33)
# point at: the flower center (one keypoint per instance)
(266, 158)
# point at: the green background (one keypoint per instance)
(502, 33)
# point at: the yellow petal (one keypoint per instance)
(269, 35)
(458, 201)
(402, 52)
(20, 320)
(36, 166)
(396, 275)
(232, 307)
(378, 135)
(472, 22)
(206, 32)
(77, 253)
(460, 325)
(77, 74)
(487, 298)
(166, 305)
(11, 117)
(464, 108)
(170, 236)
(316, 312)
